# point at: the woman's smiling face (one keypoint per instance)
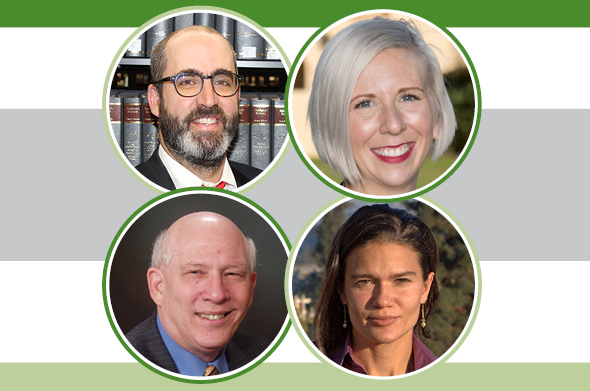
(391, 123)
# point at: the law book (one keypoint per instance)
(182, 21)
(270, 52)
(279, 126)
(137, 47)
(226, 27)
(157, 33)
(249, 44)
(260, 130)
(132, 126)
(115, 115)
(205, 19)
(240, 150)
(149, 130)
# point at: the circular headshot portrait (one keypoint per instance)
(383, 290)
(188, 279)
(383, 104)
(195, 97)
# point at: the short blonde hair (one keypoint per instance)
(339, 67)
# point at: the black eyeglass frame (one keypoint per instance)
(173, 79)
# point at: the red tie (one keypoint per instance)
(220, 185)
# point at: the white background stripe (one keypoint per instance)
(540, 68)
(529, 311)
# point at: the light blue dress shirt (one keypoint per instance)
(186, 362)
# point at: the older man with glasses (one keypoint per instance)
(195, 94)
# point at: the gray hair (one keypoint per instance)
(339, 67)
(162, 251)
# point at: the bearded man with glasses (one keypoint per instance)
(195, 94)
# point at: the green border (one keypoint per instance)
(117, 58)
(297, 325)
(144, 208)
(304, 13)
(317, 172)
(298, 377)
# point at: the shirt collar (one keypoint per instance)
(186, 362)
(343, 355)
(182, 177)
(422, 356)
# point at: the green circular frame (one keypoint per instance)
(317, 172)
(147, 206)
(117, 59)
(289, 289)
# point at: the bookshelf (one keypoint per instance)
(262, 128)
(241, 63)
(259, 76)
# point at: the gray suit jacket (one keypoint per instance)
(146, 339)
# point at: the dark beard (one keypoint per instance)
(201, 150)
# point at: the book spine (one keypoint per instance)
(226, 27)
(182, 21)
(270, 53)
(132, 130)
(261, 133)
(205, 19)
(157, 33)
(279, 126)
(249, 44)
(115, 113)
(240, 149)
(149, 131)
(137, 47)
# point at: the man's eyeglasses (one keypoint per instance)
(190, 84)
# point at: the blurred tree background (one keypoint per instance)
(460, 90)
(455, 271)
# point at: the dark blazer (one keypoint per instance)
(146, 339)
(155, 171)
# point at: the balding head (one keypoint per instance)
(195, 130)
(202, 282)
(204, 34)
(202, 227)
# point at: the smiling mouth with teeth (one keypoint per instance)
(212, 317)
(393, 152)
(206, 120)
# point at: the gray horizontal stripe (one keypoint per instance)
(66, 193)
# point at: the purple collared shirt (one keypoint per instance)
(343, 355)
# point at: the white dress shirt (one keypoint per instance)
(182, 177)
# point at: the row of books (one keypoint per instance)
(262, 130)
(261, 134)
(247, 43)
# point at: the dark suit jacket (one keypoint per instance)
(155, 171)
(146, 339)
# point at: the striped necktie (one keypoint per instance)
(211, 371)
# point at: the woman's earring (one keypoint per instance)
(423, 324)
(344, 324)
